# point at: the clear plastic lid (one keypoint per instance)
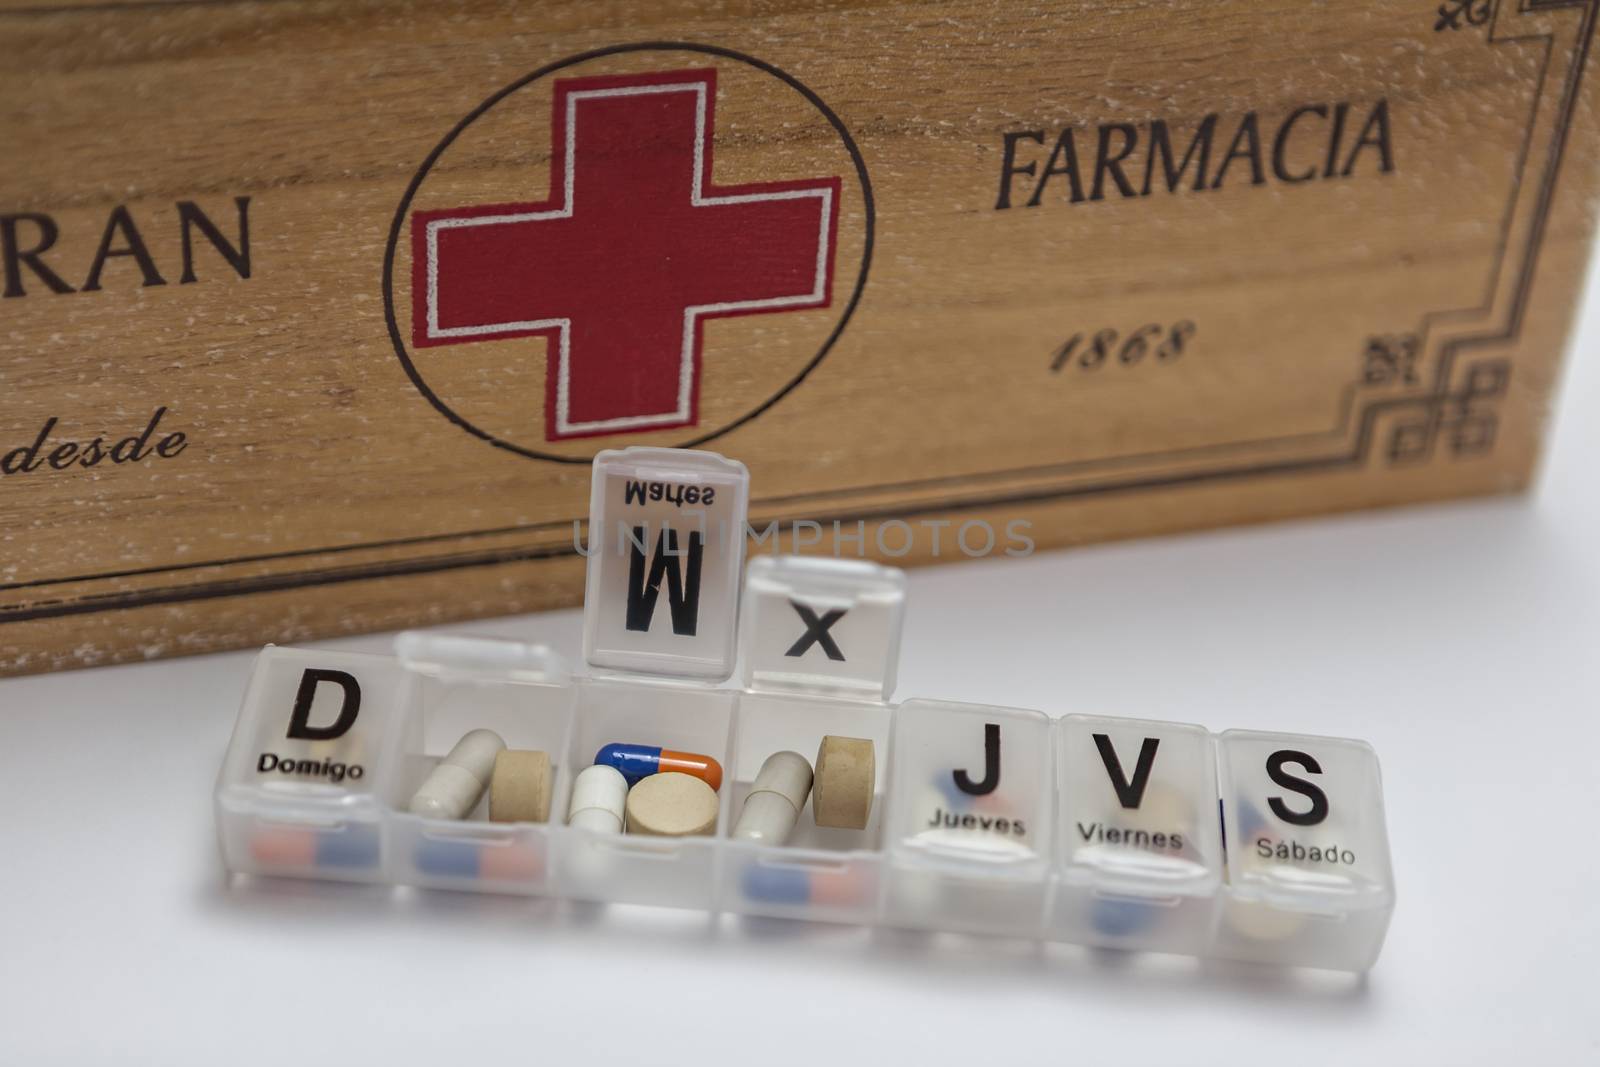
(1138, 806)
(822, 624)
(316, 731)
(971, 788)
(666, 547)
(1304, 821)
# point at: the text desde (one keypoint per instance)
(48, 450)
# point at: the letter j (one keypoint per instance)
(991, 765)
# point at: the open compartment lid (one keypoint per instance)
(665, 549)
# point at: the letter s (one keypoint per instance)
(1017, 531)
(1319, 799)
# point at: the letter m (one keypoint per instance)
(1161, 144)
(683, 589)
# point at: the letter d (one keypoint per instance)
(299, 724)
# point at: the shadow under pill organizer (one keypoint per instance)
(1110, 832)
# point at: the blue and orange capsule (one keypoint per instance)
(641, 761)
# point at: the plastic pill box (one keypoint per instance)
(1113, 832)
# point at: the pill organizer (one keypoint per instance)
(1111, 832)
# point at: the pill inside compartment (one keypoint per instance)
(819, 872)
(530, 709)
(594, 864)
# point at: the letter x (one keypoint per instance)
(816, 632)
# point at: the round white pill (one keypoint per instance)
(456, 785)
(599, 796)
(776, 799)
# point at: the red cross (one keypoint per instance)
(633, 250)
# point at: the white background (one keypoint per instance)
(1461, 640)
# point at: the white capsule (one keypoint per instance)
(457, 783)
(599, 795)
(775, 800)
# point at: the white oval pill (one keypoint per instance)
(599, 795)
(456, 785)
(776, 799)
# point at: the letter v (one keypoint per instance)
(1130, 794)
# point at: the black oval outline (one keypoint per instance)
(647, 46)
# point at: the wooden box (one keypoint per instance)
(314, 312)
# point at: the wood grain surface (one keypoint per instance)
(1094, 270)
